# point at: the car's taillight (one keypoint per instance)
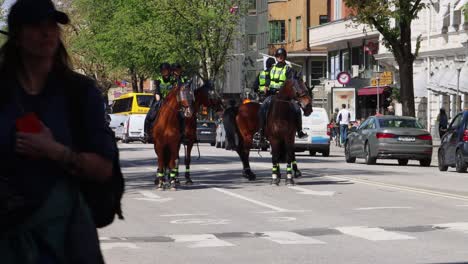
(384, 135)
(425, 137)
(465, 135)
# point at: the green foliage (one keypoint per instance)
(135, 36)
(393, 18)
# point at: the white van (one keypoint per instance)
(318, 139)
(134, 128)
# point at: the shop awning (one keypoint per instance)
(372, 90)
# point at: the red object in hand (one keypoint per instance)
(29, 123)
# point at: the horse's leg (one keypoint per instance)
(275, 171)
(173, 167)
(245, 149)
(289, 158)
(188, 159)
(297, 172)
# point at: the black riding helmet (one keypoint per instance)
(165, 66)
(176, 66)
(281, 51)
(270, 62)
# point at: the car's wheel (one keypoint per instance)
(264, 148)
(368, 158)
(460, 163)
(312, 153)
(402, 162)
(212, 144)
(425, 162)
(348, 157)
(326, 153)
(441, 160)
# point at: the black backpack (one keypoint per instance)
(103, 199)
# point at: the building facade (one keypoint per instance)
(289, 21)
(443, 55)
(350, 49)
(244, 58)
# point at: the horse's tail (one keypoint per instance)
(231, 128)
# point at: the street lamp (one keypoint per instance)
(377, 78)
(458, 65)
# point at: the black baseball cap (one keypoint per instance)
(27, 12)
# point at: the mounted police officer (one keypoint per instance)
(177, 73)
(262, 83)
(278, 76)
(163, 86)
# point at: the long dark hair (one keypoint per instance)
(11, 64)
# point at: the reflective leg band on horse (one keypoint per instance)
(289, 171)
(160, 174)
(173, 174)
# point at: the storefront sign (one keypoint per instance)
(386, 79)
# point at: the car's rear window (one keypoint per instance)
(206, 125)
(399, 123)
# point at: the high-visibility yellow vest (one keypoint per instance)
(262, 77)
(278, 76)
(165, 87)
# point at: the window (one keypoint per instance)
(323, 19)
(277, 34)
(252, 7)
(334, 64)
(456, 122)
(399, 123)
(298, 28)
(338, 4)
(346, 61)
(317, 69)
(289, 31)
(122, 105)
(144, 100)
(252, 42)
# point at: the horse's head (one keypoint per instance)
(186, 99)
(302, 94)
(207, 96)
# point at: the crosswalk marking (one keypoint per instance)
(107, 246)
(372, 233)
(460, 226)
(289, 238)
(201, 241)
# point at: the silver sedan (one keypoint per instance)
(389, 137)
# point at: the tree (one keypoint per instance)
(201, 31)
(393, 18)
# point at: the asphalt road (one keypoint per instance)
(337, 213)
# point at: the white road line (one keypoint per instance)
(289, 238)
(311, 192)
(201, 241)
(107, 246)
(152, 197)
(402, 188)
(460, 227)
(282, 219)
(372, 233)
(272, 207)
(177, 215)
(381, 208)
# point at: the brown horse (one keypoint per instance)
(167, 132)
(282, 125)
(204, 96)
(242, 123)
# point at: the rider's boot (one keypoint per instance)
(300, 133)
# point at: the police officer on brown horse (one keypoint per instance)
(262, 83)
(278, 76)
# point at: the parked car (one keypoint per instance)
(389, 137)
(318, 139)
(133, 129)
(206, 132)
(453, 151)
(116, 123)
